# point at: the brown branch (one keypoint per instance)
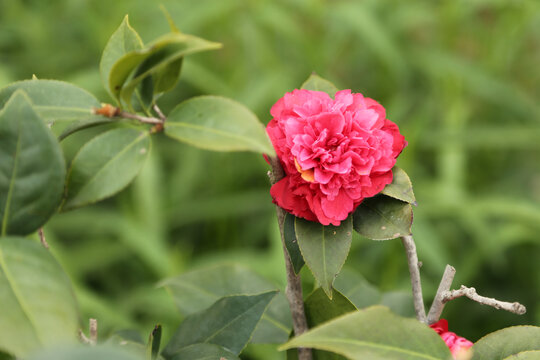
(437, 306)
(42, 238)
(471, 293)
(294, 283)
(414, 270)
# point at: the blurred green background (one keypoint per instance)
(460, 78)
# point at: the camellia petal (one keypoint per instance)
(334, 153)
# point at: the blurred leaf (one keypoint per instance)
(400, 302)
(357, 289)
(105, 165)
(374, 333)
(363, 294)
(163, 52)
(204, 352)
(56, 102)
(401, 187)
(317, 83)
(197, 290)
(229, 322)
(154, 342)
(506, 342)
(324, 249)
(6, 356)
(32, 168)
(320, 309)
(525, 355)
(82, 352)
(291, 243)
(383, 218)
(217, 123)
(124, 40)
(38, 305)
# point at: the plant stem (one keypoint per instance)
(414, 270)
(143, 119)
(294, 283)
(42, 238)
(471, 293)
(437, 306)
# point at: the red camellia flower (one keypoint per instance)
(459, 346)
(335, 153)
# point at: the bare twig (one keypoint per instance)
(143, 119)
(471, 293)
(92, 340)
(42, 238)
(414, 270)
(159, 112)
(93, 331)
(438, 304)
(294, 284)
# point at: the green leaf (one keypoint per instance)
(81, 352)
(229, 322)
(105, 165)
(375, 333)
(197, 290)
(217, 123)
(317, 83)
(320, 309)
(154, 342)
(32, 168)
(324, 248)
(38, 305)
(57, 103)
(383, 218)
(291, 244)
(124, 40)
(6, 356)
(401, 187)
(525, 355)
(204, 352)
(506, 342)
(163, 52)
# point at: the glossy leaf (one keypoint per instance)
(291, 243)
(124, 40)
(317, 83)
(154, 342)
(320, 309)
(375, 333)
(152, 59)
(204, 352)
(525, 355)
(401, 187)
(82, 352)
(506, 342)
(324, 249)
(105, 165)
(32, 168)
(197, 290)
(229, 322)
(383, 218)
(59, 104)
(38, 306)
(217, 123)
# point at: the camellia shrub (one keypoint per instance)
(332, 156)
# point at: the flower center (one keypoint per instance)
(307, 175)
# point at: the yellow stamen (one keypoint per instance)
(307, 175)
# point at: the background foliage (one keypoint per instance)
(459, 78)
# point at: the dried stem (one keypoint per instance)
(92, 340)
(471, 293)
(414, 270)
(42, 238)
(143, 119)
(438, 303)
(159, 112)
(294, 283)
